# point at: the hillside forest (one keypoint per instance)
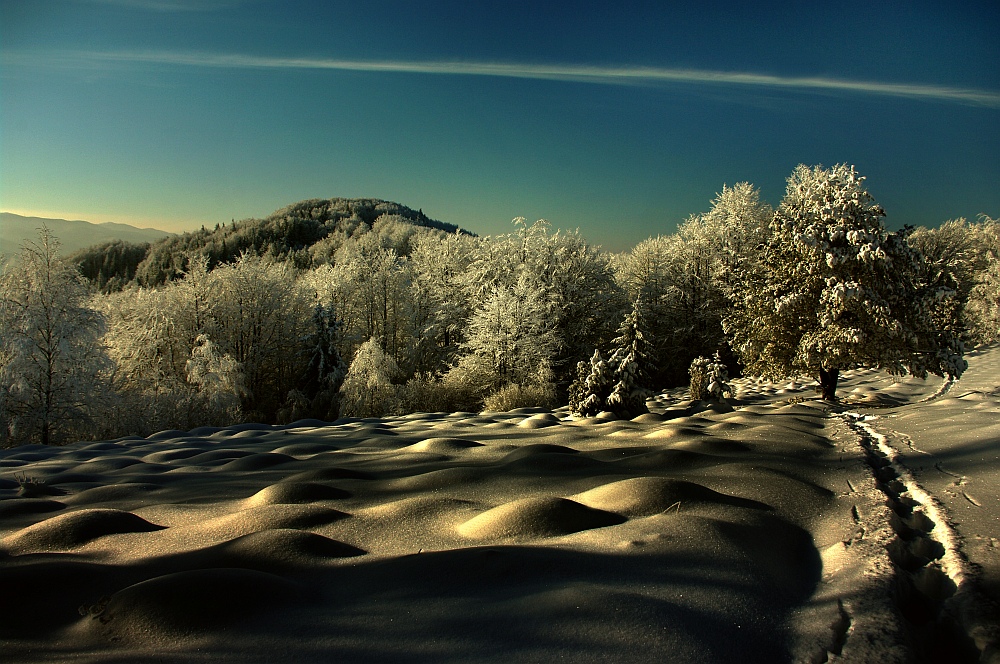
(363, 308)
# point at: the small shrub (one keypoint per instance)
(699, 377)
(514, 396)
(430, 393)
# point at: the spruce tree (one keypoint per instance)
(590, 391)
(629, 363)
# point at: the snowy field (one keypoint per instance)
(776, 529)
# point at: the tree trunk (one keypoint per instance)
(828, 383)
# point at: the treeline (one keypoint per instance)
(349, 308)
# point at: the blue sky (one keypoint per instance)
(620, 119)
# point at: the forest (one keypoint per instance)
(362, 308)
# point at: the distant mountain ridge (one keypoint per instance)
(73, 235)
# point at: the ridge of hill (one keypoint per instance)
(73, 235)
(308, 232)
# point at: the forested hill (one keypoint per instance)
(309, 233)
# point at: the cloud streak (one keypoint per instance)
(623, 76)
(170, 6)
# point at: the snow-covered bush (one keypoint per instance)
(514, 396)
(430, 393)
(710, 378)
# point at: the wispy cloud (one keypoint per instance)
(628, 76)
(165, 6)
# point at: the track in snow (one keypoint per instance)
(931, 573)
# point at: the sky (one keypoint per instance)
(619, 119)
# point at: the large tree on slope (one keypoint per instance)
(833, 290)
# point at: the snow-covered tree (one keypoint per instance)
(375, 281)
(718, 379)
(258, 312)
(956, 256)
(588, 394)
(739, 221)
(630, 364)
(571, 286)
(219, 380)
(982, 309)
(834, 290)
(368, 389)
(962, 257)
(438, 309)
(709, 378)
(53, 367)
(699, 377)
(683, 278)
(584, 297)
(510, 338)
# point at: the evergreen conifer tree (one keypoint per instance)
(590, 391)
(628, 363)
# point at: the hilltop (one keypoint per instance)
(308, 232)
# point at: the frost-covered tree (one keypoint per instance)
(962, 257)
(376, 283)
(219, 381)
(834, 290)
(438, 309)
(510, 339)
(52, 364)
(630, 364)
(683, 278)
(258, 312)
(588, 394)
(368, 389)
(571, 286)
(982, 308)
(739, 221)
(956, 257)
(149, 353)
